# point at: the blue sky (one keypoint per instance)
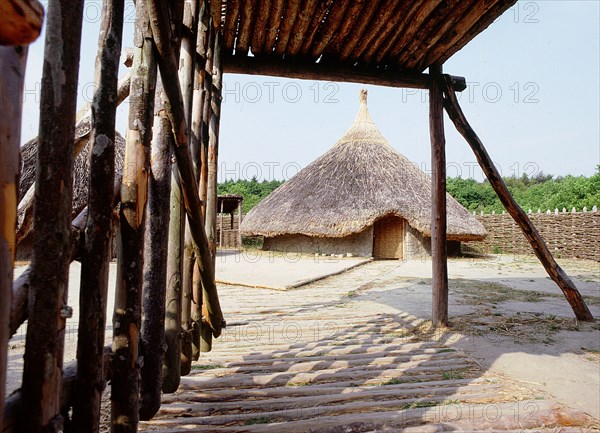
(533, 98)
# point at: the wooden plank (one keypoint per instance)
(127, 309)
(12, 76)
(246, 27)
(42, 371)
(351, 17)
(383, 23)
(290, 16)
(536, 241)
(419, 19)
(231, 25)
(96, 253)
(474, 21)
(359, 29)
(439, 256)
(327, 30)
(275, 18)
(315, 20)
(259, 35)
(431, 32)
(318, 71)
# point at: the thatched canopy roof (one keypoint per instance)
(359, 180)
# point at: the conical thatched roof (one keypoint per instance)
(359, 180)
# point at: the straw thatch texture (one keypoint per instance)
(81, 165)
(359, 180)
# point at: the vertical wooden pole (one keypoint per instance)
(187, 60)
(439, 257)
(96, 252)
(206, 114)
(127, 312)
(221, 224)
(155, 262)
(210, 224)
(239, 232)
(12, 74)
(196, 149)
(48, 309)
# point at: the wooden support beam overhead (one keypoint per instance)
(12, 76)
(318, 71)
(540, 248)
(43, 360)
(316, 26)
(383, 22)
(439, 258)
(420, 17)
(230, 26)
(287, 24)
(328, 29)
(353, 14)
(471, 23)
(394, 38)
(441, 14)
(359, 28)
(259, 35)
(95, 256)
(244, 38)
(301, 28)
(275, 18)
(390, 24)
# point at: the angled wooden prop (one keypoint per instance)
(540, 248)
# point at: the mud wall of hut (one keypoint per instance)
(419, 246)
(360, 244)
(568, 234)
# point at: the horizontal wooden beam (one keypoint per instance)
(316, 71)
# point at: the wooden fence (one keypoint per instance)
(569, 234)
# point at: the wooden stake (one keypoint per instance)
(187, 61)
(127, 312)
(12, 75)
(536, 241)
(155, 263)
(96, 253)
(210, 224)
(439, 284)
(42, 371)
(239, 232)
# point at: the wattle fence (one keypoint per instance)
(569, 234)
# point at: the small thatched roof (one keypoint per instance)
(359, 180)
(81, 164)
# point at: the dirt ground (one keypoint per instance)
(505, 314)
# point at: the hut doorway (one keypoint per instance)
(388, 238)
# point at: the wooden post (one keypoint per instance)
(239, 232)
(42, 371)
(187, 60)
(197, 156)
(127, 312)
(210, 225)
(12, 75)
(206, 113)
(172, 362)
(536, 241)
(96, 253)
(221, 225)
(438, 199)
(155, 262)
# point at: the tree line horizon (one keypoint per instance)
(541, 191)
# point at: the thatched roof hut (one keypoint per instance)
(350, 199)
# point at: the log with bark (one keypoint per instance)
(536, 241)
(21, 21)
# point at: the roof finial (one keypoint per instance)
(363, 96)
